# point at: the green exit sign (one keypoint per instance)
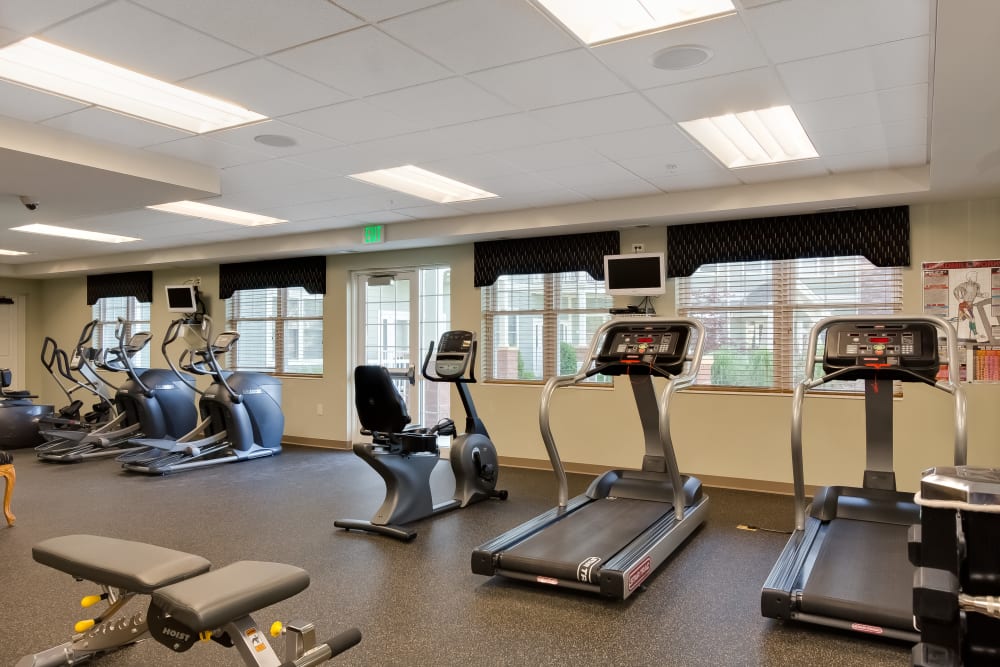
(374, 234)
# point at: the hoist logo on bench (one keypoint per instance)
(176, 634)
(585, 567)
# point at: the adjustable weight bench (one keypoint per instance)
(189, 603)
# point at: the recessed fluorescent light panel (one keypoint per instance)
(39, 64)
(209, 212)
(600, 21)
(424, 184)
(81, 234)
(12, 253)
(752, 138)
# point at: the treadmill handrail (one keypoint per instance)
(952, 386)
(684, 379)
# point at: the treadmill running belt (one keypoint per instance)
(862, 574)
(599, 529)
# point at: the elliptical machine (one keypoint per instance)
(405, 459)
(84, 362)
(241, 416)
(150, 403)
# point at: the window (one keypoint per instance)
(539, 325)
(281, 331)
(107, 310)
(758, 315)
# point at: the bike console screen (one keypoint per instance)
(453, 353)
(644, 349)
(883, 348)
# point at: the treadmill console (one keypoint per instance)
(884, 348)
(453, 354)
(644, 349)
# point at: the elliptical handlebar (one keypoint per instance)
(207, 354)
(126, 359)
(87, 334)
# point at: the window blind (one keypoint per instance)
(107, 310)
(758, 315)
(281, 331)
(539, 325)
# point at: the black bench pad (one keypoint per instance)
(133, 566)
(229, 593)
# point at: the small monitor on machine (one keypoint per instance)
(639, 274)
(182, 298)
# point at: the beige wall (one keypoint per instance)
(741, 436)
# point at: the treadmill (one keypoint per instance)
(846, 565)
(611, 538)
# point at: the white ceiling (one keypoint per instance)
(893, 93)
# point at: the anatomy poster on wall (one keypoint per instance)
(967, 293)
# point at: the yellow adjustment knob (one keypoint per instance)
(205, 635)
(83, 626)
(276, 629)
(90, 601)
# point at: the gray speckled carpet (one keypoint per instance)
(416, 603)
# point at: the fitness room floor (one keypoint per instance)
(415, 603)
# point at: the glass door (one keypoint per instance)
(399, 312)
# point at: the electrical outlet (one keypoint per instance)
(638, 247)
(319, 409)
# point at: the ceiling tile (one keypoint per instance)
(634, 187)
(136, 38)
(470, 35)
(886, 158)
(554, 197)
(742, 91)
(557, 79)
(430, 211)
(258, 27)
(110, 126)
(384, 9)
(642, 142)
(470, 168)
(902, 63)
(33, 105)
(492, 134)
(265, 87)
(864, 109)
(784, 171)
(601, 116)
(909, 132)
(268, 173)
(208, 151)
(550, 156)
(687, 170)
(733, 49)
(305, 141)
(581, 176)
(808, 28)
(444, 102)
(300, 192)
(353, 121)
(30, 17)
(361, 62)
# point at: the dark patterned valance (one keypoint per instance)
(136, 283)
(307, 272)
(882, 235)
(549, 254)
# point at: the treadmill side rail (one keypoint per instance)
(776, 600)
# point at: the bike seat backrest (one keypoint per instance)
(380, 407)
(5, 377)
